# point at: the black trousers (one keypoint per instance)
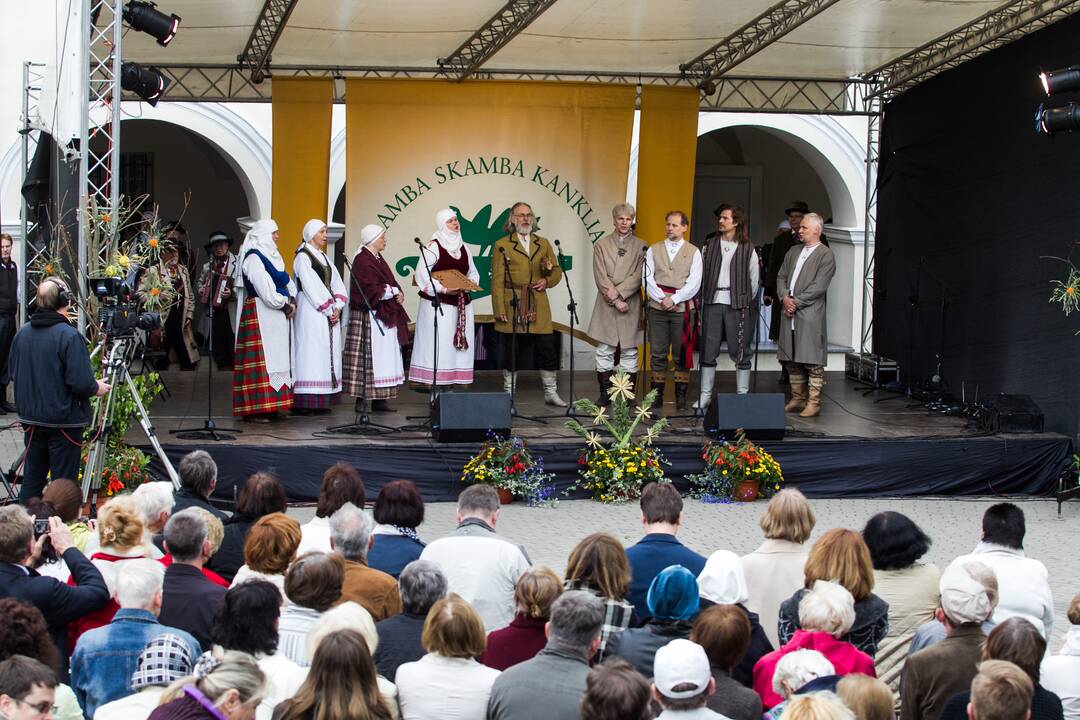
(223, 338)
(48, 449)
(174, 341)
(534, 352)
(8, 326)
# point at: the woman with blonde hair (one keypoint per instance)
(818, 706)
(229, 687)
(868, 698)
(598, 565)
(524, 637)
(841, 556)
(775, 570)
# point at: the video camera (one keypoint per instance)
(119, 314)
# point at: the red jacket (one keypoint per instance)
(845, 657)
(519, 641)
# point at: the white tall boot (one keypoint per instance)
(742, 381)
(508, 380)
(708, 376)
(551, 389)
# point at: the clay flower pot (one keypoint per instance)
(505, 496)
(746, 491)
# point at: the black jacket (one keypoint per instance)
(185, 498)
(399, 643)
(638, 646)
(189, 601)
(743, 673)
(230, 556)
(58, 602)
(50, 367)
(1045, 705)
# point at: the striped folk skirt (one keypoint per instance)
(358, 373)
(252, 393)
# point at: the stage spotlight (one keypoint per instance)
(145, 17)
(146, 82)
(1059, 119)
(1064, 80)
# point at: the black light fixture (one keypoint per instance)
(1058, 119)
(147, 82)
(145, 17)
(1063, 80)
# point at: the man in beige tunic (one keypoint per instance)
(616, 316)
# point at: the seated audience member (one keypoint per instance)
(105, 657)
(230, 686)
(1061, 672)
(524, 637)
(421, 584)
(661, 515)
(23, 632)
(198, 478)
(724, 632)
(120, 540)
(933, 675)
(189, 599)
(818, 706)
(1000, 691)
(826, 614)
(60, 604)
(910, 587)
(840, 555)
(340, 684)
(868, 698)
(552, 684)
(1023, 583)
(247, 621)
(776, 569)
(801, 673)
(341, 484)
(27, 688)
(399, 510)
(598, 565)
(672, 603)
(261, 495)
(683, 681)
(351, 616)
(215, 532)
(165, 660)
(614, 690)
(480, 566)
(722, 582)
(268, 550)
(447, 682)
(350, 535)
(312, 586)
(62, 498)
(154, 502)
(1019, 642)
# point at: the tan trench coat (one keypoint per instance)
(524, 270)
(608, 325)
(808, 343)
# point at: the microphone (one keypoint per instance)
(557, 243)
(417, 241)
(502, 250)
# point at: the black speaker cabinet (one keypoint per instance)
(760, 415)
(468, 416)
(1013, 414)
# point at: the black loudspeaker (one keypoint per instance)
(1013, 414)
(467, 417)
(760, 415)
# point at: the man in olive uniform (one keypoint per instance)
(524, 263)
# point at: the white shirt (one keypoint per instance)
(723, 296)
(314, 535)
(701, 713)
(524, 240)
(284, 678)
(806, 251)
(294, 624)
(133, 707)
(441, 688)
(1023, 586)
(693, 281)
(1061, 674)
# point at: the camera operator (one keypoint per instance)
(54, 382)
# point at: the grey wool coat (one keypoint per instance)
(808, 343)
(623, 272)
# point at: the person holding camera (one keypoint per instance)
(54, 381)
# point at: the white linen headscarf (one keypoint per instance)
(369, 234)
(311, 227)
(449, 239)
(261, 237)
(722, 580)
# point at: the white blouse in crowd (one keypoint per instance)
(294, 624)
(442, 688)
(693, 281)
(244, 574)
(314, 535)
(1061, 674)
(133, 707)
(284, 678)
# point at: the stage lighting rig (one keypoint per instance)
(1058, 81)
(146, 82)
(1059, 119)
(145, 17)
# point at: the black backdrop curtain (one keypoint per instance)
(970, 200)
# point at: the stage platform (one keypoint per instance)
(860, 446)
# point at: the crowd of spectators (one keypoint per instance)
(165, 607)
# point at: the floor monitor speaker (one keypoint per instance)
(761, 415)
(469, 416)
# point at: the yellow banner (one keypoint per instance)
(416, 146)
(667, 154)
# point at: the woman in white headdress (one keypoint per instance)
(316, 349)
(262, 373)
(453, 347)
(373, 342)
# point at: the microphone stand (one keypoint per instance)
(571, 308)
(646, 360)
(436, 307)
(513, 341)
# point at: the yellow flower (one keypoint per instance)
(123, 261)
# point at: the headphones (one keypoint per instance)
(63, 295)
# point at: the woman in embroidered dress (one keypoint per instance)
(454, 349)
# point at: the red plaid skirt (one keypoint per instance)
(252, 393)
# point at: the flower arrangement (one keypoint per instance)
(1067, 292)
(732, 468)
(507, 464)
(617, 472)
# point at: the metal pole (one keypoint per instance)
(873, 140)
(84, 152)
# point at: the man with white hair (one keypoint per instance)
(683, 681)
(350, 535)
(801, 672)
(933, 675)
(105, 657)
(801, 287)
(154, 501)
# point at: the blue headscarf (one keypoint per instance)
(673, 594)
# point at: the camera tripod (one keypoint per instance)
(115, 370)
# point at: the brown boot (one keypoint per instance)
(658, 380)
(813, 405)
(604, 380)
(682, 384)
(798, 395)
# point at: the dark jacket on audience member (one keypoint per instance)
(519, 641)
(58, 602)
(548, 687)
(391, 553)
(1045, 705)
(230, 556)
(732, 700)
(743, 673)
(399, 642)
(185, 498)
(189, 600)
(934, 674)
(870, 628)
(638, 646)
(648, 557)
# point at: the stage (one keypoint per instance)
(856, 448)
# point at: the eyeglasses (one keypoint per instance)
(524, 215)
(42, 708)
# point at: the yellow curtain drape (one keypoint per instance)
(667, 154)
(302, 110)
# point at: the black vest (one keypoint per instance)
(9, 287)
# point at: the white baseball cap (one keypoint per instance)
(680, 662)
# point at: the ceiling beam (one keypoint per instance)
(501, 28)
(264, 36)
(998, 27)
(750, 39)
